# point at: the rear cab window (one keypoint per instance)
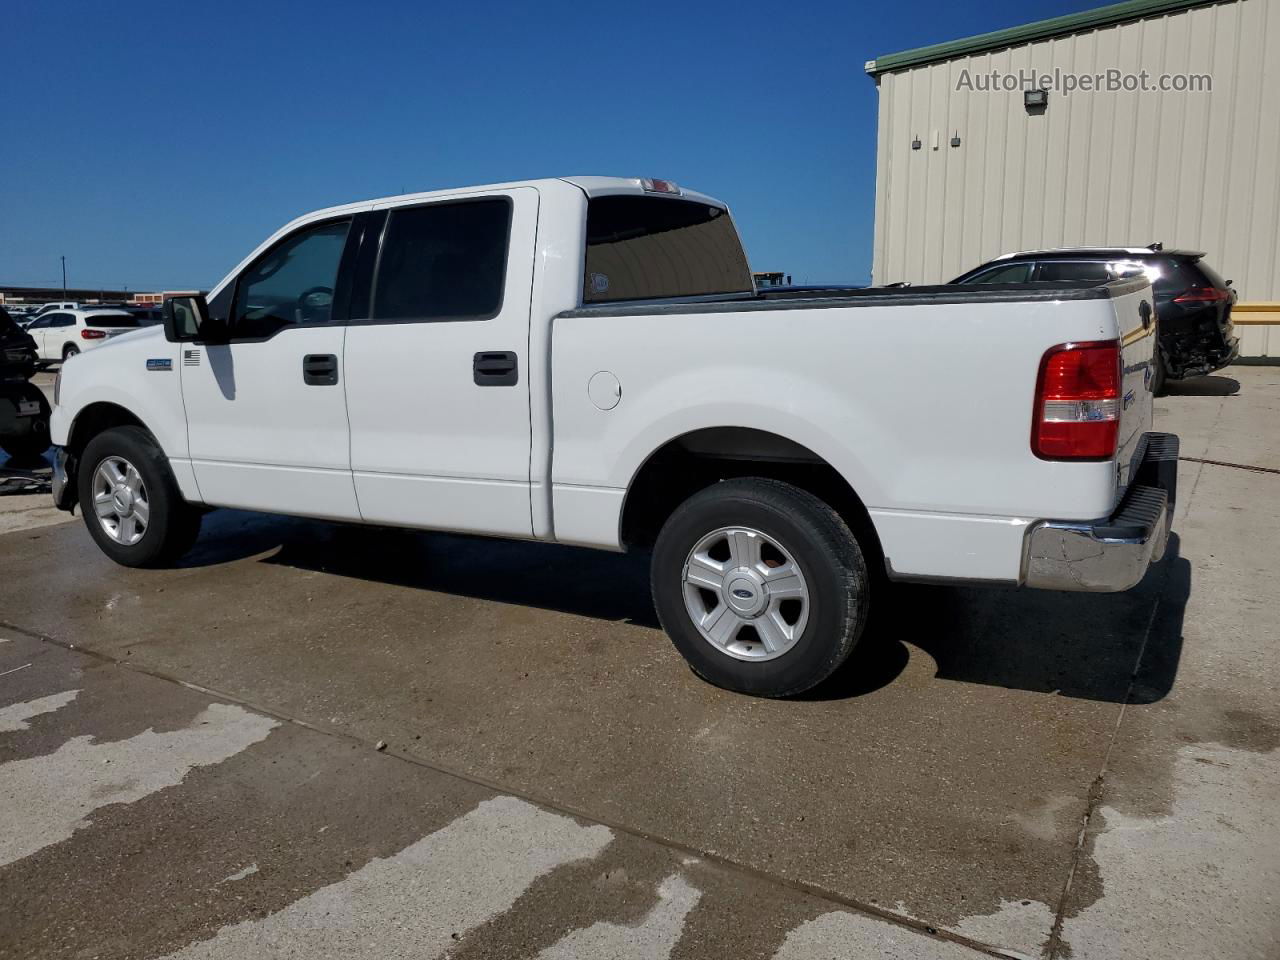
(654, 248)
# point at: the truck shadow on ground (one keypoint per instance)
(1081, 645)
(1077, 645)
(1211, 386)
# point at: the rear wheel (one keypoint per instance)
(1158, 376)
(69, 351)
(761, 586)
(130, 501)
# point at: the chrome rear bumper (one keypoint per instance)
(1110, 555)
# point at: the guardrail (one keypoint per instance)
(1258, 327)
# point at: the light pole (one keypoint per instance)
(64, 278)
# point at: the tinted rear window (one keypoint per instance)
(648, 248)
(1211, 275)
(110, 320)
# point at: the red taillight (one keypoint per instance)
(1202, 295)
(1077, 411)
(92, 334)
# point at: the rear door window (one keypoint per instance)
(1073, 270)
(650, 248)
(443, 261)
(1008, 273)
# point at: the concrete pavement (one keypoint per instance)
(1018, 771)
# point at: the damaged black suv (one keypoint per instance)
(1193, 303)
(24, 412)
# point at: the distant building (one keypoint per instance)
(1177, 142)
(10, 294)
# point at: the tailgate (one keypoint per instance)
(1135, 323)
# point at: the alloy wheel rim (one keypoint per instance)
(120, 501)
(745, 593)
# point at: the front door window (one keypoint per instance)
(291, 284)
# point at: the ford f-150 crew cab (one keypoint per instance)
(586, 361)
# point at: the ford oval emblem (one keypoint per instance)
(742, 594)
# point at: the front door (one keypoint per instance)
(266, 411)
(37, 329)
(437, 365)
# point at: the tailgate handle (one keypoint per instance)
(320, 369)
(495, 368)
(1144, 311)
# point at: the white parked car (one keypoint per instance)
(586, 361)
(57, 305)
(60, 334)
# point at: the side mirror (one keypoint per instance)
(186, 319)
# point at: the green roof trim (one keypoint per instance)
(1040, 30)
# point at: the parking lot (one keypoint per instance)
(312, 738)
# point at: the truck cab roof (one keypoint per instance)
(590, 185)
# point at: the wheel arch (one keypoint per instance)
(700, 458)
(96, 417)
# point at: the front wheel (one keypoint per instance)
(130, 501)
(761, 586)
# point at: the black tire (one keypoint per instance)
(69, 351)
(30, 447)
(26, 449)
(173, 524)
(1158, 377)
(821, 544)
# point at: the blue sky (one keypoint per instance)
(155, 144)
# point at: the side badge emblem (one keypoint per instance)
(162, 363)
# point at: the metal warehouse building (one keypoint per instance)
(969, 165)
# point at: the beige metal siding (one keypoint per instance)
(1197, 170)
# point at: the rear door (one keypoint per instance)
(437, 360)
(58, 332)
(37, 328)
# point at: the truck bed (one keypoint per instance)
(874, 297)
(920, 397)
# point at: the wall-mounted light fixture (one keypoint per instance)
(955, 139)
(916, 144)
(1035, 99)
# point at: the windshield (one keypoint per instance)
(649, 248)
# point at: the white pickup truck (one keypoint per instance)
(586, 361)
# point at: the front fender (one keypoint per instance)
(118, 373)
